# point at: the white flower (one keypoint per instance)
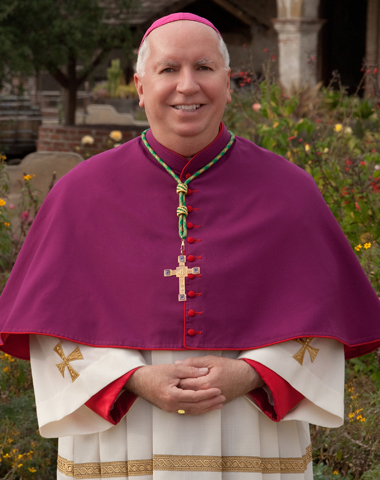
(116, 135)
(348, 130)
(377, 167)
(87, 140)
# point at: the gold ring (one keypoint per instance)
(181, 412)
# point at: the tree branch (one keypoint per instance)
(60, 77)
(95, 62)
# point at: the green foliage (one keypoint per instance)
(15, 221)
(48, 35)
(24, 454)
(65, 29)
(114, 76)
(324, 472)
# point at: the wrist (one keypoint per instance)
(135, 381)
(254, 380)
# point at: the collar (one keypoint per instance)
(180, 164)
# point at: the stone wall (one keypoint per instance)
(58, 138)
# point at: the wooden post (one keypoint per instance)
(373, 46)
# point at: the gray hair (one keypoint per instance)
(144, 53)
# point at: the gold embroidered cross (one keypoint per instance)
(182, 271)
(300, 355)
(74, 355)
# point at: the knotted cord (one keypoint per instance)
(182, 187)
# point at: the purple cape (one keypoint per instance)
(274, 263)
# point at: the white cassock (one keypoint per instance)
(238, 442)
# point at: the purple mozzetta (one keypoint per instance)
(274, 263)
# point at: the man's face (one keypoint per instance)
(185, 87)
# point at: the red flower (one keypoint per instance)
(362, 163)
(375, 70)
(357, 206)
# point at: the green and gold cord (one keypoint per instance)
(182, 188)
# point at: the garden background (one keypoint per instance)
(335, 138)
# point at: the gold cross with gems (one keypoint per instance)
(300, 355)
(76, 354)
(182, 271)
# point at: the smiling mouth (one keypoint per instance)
(187, 108)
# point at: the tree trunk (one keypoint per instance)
(70, 95)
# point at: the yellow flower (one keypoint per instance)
(358, 247)
(19, 465)
(351, 415)
(336, 472)
(116, 135)
(338, 127)
(362, 419)
(7, 224)
(33, 470)
(2, 157)
(275, 125)
(87, 140)
(6, 455)
(5, 369)
(326, 150)
(28, 177)
(359, 417)
(2, 202)
(367, 245)
(307, 147)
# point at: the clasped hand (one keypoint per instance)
(197, 385)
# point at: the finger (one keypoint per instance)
(200, 383)
(194, 362)
(203, 406)
(191, 396)
(186, 371)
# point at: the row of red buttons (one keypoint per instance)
(192, 258)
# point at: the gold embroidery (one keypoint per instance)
(185, 463)
(300, 355)
(74, 355)
(132, 468)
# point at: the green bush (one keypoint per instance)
(24, 454)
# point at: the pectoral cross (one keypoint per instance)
(182, 271)
(76, 354)
(300, 355)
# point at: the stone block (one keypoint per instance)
(42, 165)
(107, 115)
